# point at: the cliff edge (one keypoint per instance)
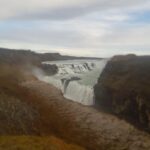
(124, 89)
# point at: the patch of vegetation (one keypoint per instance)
(35, 143)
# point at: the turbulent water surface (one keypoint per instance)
(76, 78)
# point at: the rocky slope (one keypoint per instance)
(85, 126)
(33, 108)
(22, 113)
(124, 89)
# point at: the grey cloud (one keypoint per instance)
(67, 10)
(79, 27)
(79, 39)
(66, 36)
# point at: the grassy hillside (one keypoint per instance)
(35, 143)
(23, 113)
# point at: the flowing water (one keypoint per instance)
(76, 78)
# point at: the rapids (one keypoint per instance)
(76, 78)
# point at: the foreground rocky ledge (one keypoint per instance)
(84, 125)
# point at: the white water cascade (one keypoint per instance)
(76, 78)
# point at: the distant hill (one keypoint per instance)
(28, 56)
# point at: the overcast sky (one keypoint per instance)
(76, 27)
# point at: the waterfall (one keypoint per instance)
(76, 78)
(79, 93)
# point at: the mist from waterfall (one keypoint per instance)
(76, 78)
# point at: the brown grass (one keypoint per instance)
(35, 143)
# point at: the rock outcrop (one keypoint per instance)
(49, 69)
(124, 89)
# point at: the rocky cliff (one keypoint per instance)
(124, 89)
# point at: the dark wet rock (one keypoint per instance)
(49, 69)
(124, 89)
(70, 79)
(66, 81)
(87, 66)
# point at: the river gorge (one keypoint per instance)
(76, 78)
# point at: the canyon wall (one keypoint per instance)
(124, 89)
